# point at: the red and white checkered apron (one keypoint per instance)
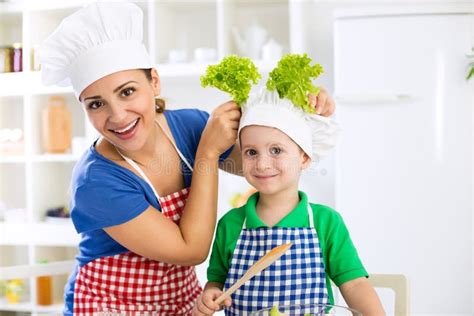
(128, 284)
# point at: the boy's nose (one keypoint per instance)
(263, 162)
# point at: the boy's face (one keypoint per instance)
(272, 162)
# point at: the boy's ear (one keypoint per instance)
(306, 161)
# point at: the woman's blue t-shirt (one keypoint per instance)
(106, 194)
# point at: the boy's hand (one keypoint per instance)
(322, 102)
(205, 304)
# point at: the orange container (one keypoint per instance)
(57, 126)
(44, 290)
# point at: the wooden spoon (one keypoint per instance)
(255, 269)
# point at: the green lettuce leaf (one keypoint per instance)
(292, 79)
(234, 75)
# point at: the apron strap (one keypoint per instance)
(175, 147)
(310, 216)
(140, 171)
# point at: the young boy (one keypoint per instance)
(278, 140)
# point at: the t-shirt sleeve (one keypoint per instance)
(343, 263)
(109, 199)
(204, 117)
(218, 262)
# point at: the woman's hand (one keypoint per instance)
(322, 102)
(221, 129)
(205, 304)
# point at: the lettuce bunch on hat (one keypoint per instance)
(283, 104)
(234, 75)
(292, 80)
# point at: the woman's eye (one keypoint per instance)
(128, 91)
(94, 105)
(275, 150)
(251, 152)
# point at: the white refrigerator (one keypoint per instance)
(404, 166)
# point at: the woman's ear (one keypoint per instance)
(155, 82)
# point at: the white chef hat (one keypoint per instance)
(315, 134)
(95, 41)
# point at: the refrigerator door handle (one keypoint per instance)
(373, 99)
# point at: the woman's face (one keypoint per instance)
(272, 162)
(121, 107)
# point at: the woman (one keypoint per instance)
(144, 224)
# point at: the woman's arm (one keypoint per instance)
(233, 162)
(360, 295)
(152, 235)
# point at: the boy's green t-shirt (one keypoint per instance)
(340, 257)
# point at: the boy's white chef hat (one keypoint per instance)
(315, 134)
(95, 41)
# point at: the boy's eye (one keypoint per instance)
(250, 152)
(95, 105)
(128, 91)
(275, 150)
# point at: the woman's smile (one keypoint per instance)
(128, 131)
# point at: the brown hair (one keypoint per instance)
(159, 103)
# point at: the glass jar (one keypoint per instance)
(6, 58)
(44, 288)
(57, 126)
(17, 62)
(14, 290)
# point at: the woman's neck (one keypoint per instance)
(150, 149)
(272, 208)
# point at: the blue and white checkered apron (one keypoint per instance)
(298, 277)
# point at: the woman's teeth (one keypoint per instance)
(126, 129)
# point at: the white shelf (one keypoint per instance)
(38, 234)
(55, 308)
(55, 158)
(29, 308)
(43, 5)
(12, 159)
(26, 83)
(13, 84)
(9, 8)
(40, 158)
(182, 69)
(199, 69)
(392, 9)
